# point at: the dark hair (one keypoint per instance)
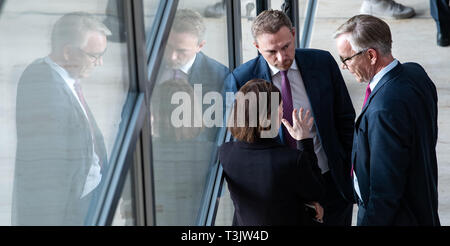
(247, 131)
(270, 21)
(161, 109)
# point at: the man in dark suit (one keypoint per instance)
(440, 11)
(394, 156)
(60, 149)
(310, 79)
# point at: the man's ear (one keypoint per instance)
(200, 45)
(373, 56)
(67, 53)
(256, 45)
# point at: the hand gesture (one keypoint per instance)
(302, 124)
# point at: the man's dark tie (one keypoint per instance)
(286, 95)
(178, 74)
(80, 95)
(368, 91)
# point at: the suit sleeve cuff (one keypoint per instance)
(306, 145)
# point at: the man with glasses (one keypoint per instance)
(61, 153)
(310, 79)
(394, 165)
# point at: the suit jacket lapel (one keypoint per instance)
(309, 77)
(262, 69)
(195, 74)
(384, 80)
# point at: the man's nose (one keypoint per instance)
(173, 56)
(343, 66)
(281, 56)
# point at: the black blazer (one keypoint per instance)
(269, 182)
(54, 150)
(394, 150)
(332, 108)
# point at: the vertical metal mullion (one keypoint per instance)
(234, 33)
(308, 25)
(261, 5)
(235, 59)
(141, 191)
(155, 50)
(160, 42)
(114, 179)
(290, 7)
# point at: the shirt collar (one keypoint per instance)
(61, 71)
(186, 67)
(274, 70)
(374, 81)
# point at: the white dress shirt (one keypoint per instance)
(300, 99)
(94, 176)
(373, 82)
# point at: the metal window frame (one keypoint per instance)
(309, 23)
(105, 207)
(215, 186)
(155, 46)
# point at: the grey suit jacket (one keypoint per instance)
(54, 150)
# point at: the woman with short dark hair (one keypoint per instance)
(270, 182)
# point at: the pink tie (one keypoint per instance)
(80, 95)
(368, 91)
(286, 96)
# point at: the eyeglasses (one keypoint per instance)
(93, 57)
(344, 60)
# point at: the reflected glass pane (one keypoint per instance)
(150, 9)
(64, 86)
(248, 14)
(225, 210)
(125, 212)
(185, 104)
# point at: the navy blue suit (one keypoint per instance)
(394, 150)
(333, 114)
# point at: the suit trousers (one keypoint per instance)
(440, 11)
(337, 210)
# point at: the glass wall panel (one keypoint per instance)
(225, 210)
(248, 14)
(186, 111)
(126, 209)
(64, 80)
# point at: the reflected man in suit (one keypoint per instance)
(60, 150)
(309, 79)
(183, 154)
(394, 149)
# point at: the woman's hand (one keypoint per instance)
(319, 211)
(302, 124)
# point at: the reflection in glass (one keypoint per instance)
(225, 210)
(64, 85)
(183, 144)
(248, 49)
(125, 211)
(60, 149)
